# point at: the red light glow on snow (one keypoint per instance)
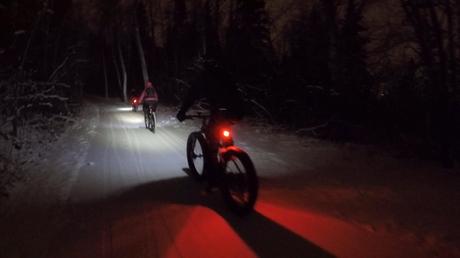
(199, 222)
(337, 235)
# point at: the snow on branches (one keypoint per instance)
(32, 115)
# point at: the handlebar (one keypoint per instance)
(202, 115)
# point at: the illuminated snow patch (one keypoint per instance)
(124, 109)
(131, 119)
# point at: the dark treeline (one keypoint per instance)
(343, 69)
(42, 74)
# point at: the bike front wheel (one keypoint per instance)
(239, 182)
(197, 152)
(146, 120)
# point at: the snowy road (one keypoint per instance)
(111, 188)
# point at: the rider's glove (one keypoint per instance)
(181, 116)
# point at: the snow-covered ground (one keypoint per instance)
(110, 188)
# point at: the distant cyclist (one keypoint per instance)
(149, 97)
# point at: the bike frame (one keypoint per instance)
(218, 136)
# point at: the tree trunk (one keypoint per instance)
(145, 73)
(451, 43)
(123, 72)
(106, 85)
(29, 41)
(330, 14)
(117, 69)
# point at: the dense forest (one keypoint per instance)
(353, 70)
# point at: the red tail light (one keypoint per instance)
(226, 137)
(226, 133)
(135, 100)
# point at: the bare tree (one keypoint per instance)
(123, 72)
(140, 48)
(106, 84)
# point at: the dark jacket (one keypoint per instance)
(218, 89)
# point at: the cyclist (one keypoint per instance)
(132, 93)
(217, 89)
(133, 99)
(149, 97)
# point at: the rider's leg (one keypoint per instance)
(211, 172)
(150, 104)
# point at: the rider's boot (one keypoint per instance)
(210, 175)
(211, 181)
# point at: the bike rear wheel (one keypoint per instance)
(196, 155)
(152, 121)
(239, 184)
